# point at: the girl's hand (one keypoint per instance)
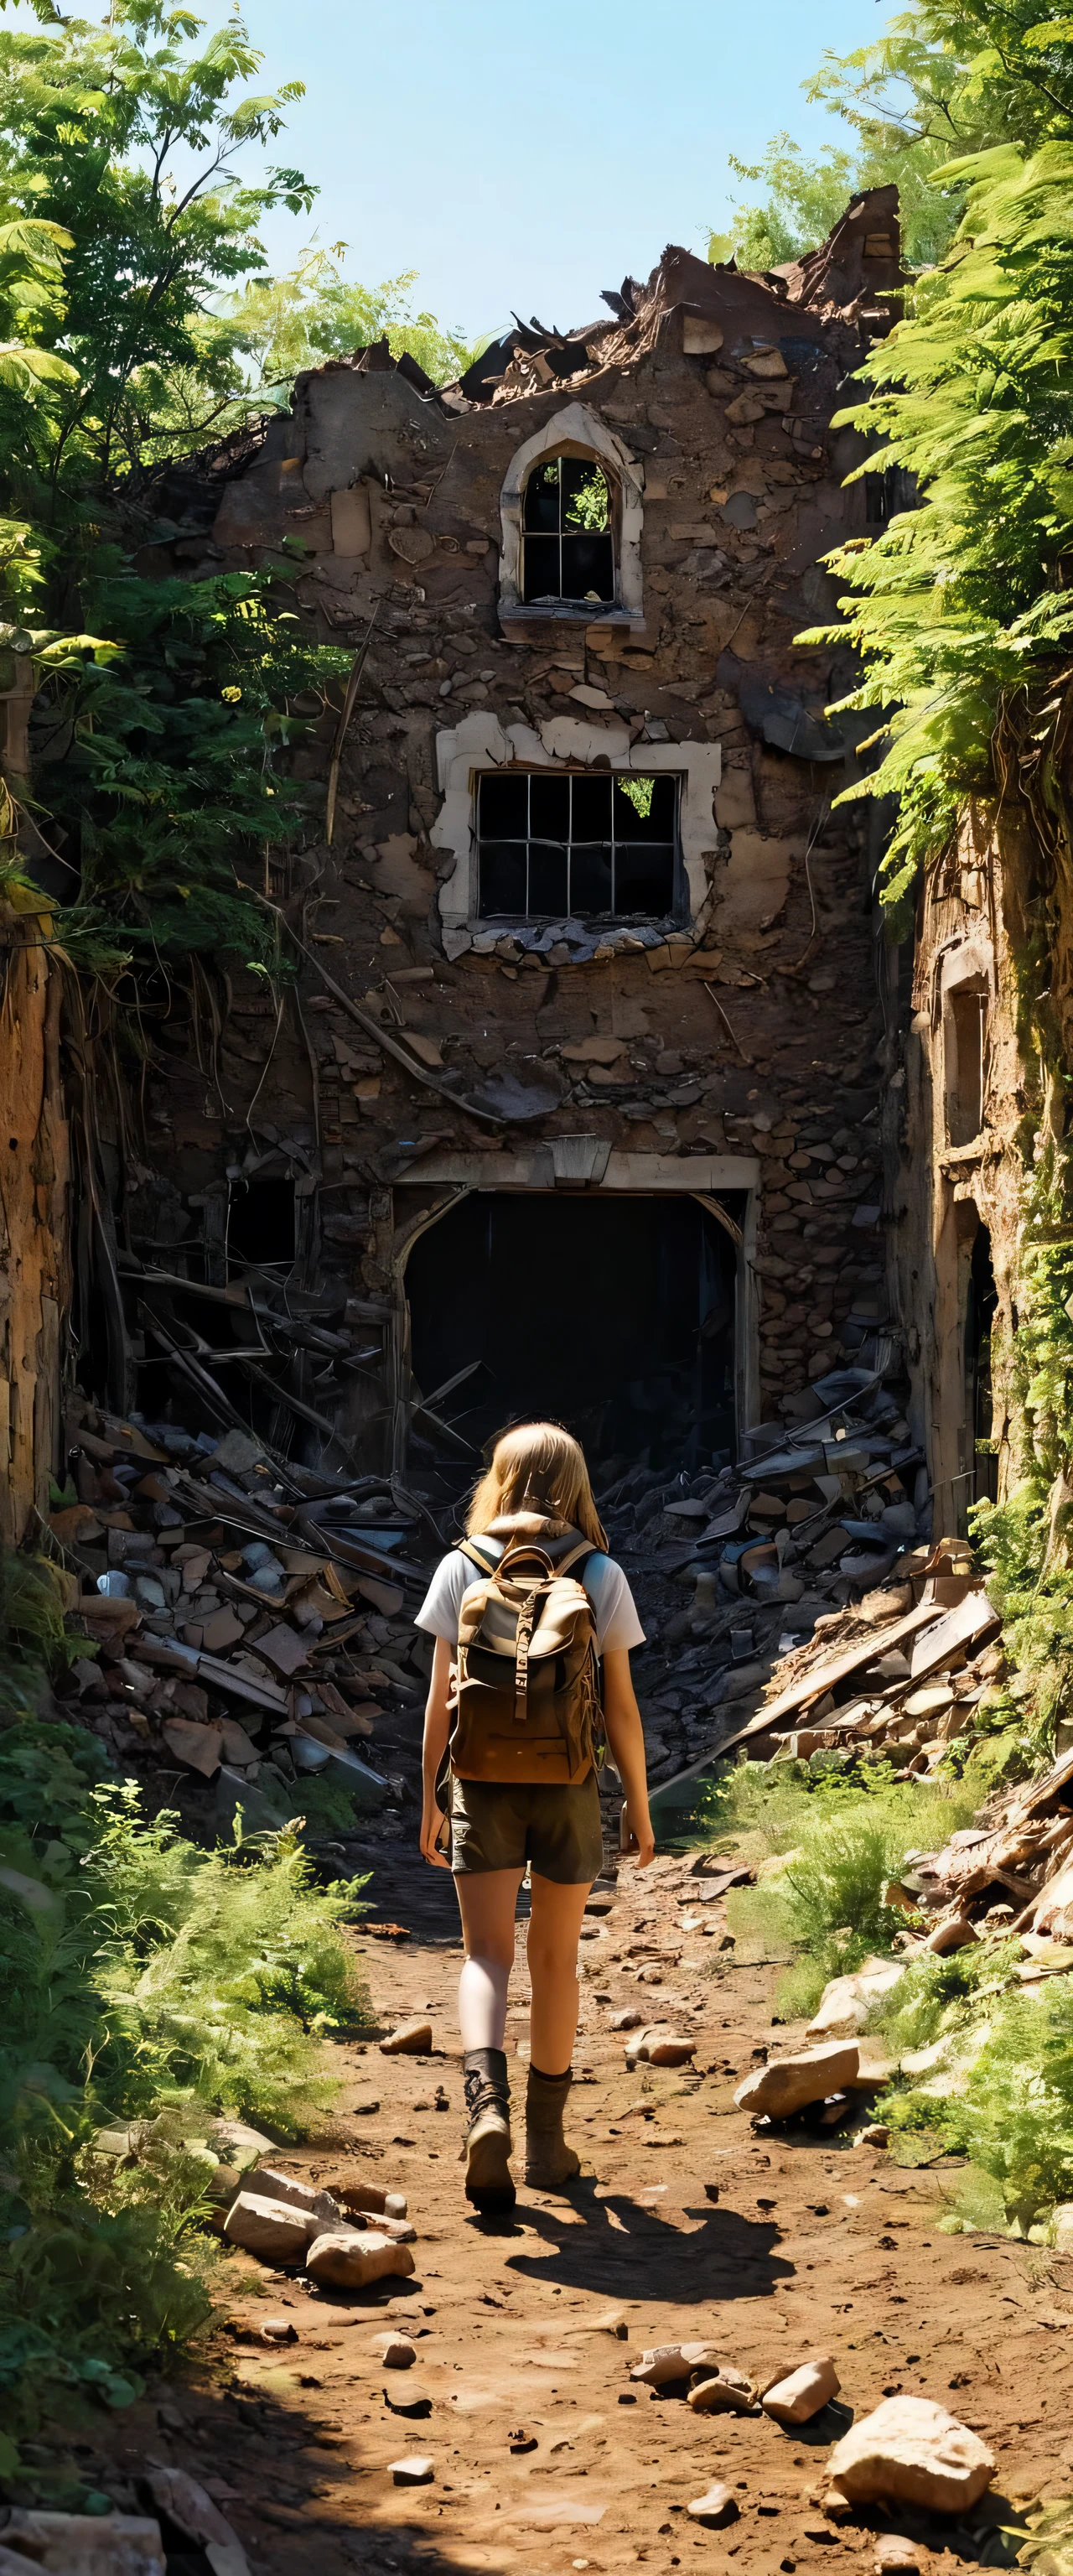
(432, 1824)
(641, 1848)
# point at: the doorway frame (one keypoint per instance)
(556, 1166)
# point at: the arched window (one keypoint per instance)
(568, 534)
(571, 509)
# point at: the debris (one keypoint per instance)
(912, 2452)
(894, 2555)
(665, 2362)
(83, 2544)
(187, 2504)
(718, 2506)
(411, 2039)
(351, 2257)
(798, 2398)
(846, 2002)
(659, 2048)
(788, 2084)
(268, 2228)
(413, 2471)
(297, 2195)
(724, 2392)
(395, 2351)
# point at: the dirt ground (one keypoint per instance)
(544, 2455)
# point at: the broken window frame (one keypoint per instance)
(566, 536)
(676, 908)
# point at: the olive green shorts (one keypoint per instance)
(502, 1827)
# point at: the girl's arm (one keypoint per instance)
(437, 1723)
(625, 1736)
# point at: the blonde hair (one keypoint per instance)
(537, 1467)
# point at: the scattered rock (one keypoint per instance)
(186, 2503)
(395, 2351)
(414, 2471)
(724, 2392)
(1062, 2227)
(876, 2134)
(894, 2555)
(629, 2019)
(659, 2048)
(81, 2544)
(664, 2362)
(269, 2228)
(955, 1934)
(912, 2452)
(278, 2330)
(847, 2001)
(411, 2039)
(297, 2195)
(349, 2257)
(368, 2196)
(717, 2506)
(797, 2399)
(787, 2084)
(240, 2146)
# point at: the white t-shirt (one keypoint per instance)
(614, 1609)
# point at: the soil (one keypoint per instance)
(685, 2226)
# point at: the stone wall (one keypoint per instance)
(737, 1034)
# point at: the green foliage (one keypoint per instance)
(640, 792)
(163, 763)
(147, 1981)
(588, 506)
(962, 601)
(1014, 2115)
(842, 1835)
(313, 313)
(804, 199)
(1024, 1542)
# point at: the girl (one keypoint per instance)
(537, 1487)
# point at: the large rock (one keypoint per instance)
(393, 2351)
(847, 2001)
(912, 2452)
(237, 2144)
(368, 2196)
(796, 2399)
(719, 2505)
(659, 2048)
(297, 2195)
(724, 2392)
(787, 2084)
(81, 2544)
(187, 2503)
(270, 2229)
(349, 2257)
(1062, 2227)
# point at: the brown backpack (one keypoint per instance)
(525, 1691)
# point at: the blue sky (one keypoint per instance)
(526, 157)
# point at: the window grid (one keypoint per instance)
(541, 544)
(661, 856)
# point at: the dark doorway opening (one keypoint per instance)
(261, 1223)
(615, 1316)
(981, 1302)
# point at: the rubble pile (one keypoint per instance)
(253, 1621)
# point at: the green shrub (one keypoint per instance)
(144, 1978)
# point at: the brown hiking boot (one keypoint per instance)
(487, 2146)
(549, 2163)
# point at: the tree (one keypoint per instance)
(314, 312)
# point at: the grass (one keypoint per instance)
(840, 1835)
(145, 1980)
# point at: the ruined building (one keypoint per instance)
(579, 1100)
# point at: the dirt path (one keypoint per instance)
(544, 2455)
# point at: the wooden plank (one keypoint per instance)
(968, 1619)
(823, 1677)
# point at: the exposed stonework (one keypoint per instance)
(739, 1024)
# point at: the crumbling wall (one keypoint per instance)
(740, 1031)
(951, 1184)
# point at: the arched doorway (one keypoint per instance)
(616, 1314)
(981, 1481)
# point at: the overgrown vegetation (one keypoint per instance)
(1011, 2112)
(148, 1982)
(837, 1837)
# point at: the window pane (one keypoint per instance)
(504, 809)
(586, 498)
(549, 809)
(644, 809)
(547, 878)
(588, 565)
(590, 879)
(644, 881)
(542, 496)
(503, 877)
(592, 809)
(542, 568)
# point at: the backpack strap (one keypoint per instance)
(471, 1548)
